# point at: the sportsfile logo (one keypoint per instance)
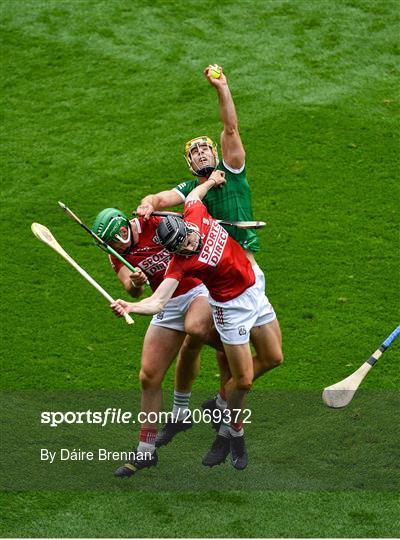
(214, 246)
(155, 263)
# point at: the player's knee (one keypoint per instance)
(149, 379)
(194, 341)
(271, 361)
(198, 329)
(277, 359)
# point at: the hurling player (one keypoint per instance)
(187, 313)
(203, 249)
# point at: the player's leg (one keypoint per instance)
(160, 347)
(200, 330)
(266, 333)
(241, 366)
(199, 326)
(218, 402)
(197, 323)
(187, 364)
(230, 436)
(267, 342)
(234, 320)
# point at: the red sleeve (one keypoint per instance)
(195, 211)
(176, 268)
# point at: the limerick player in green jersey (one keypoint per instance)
(233, 199)
(230, 202)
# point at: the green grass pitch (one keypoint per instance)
(98, 99)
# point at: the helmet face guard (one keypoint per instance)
(108, 225)
(173, 233)
(196, 144)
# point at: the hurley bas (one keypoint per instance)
(102, 454)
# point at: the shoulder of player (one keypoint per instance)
(194, 207)
(186, 187)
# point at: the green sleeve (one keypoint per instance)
(233, 176)
(186, 187)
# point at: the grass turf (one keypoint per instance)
(98, 100)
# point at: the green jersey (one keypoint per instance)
(231, 202)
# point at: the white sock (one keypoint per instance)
(224, 430)
(181, 405)
(146, 447)
(221, 403)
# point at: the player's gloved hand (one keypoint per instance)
(217, 83)
(218, 177)
(145, 210)
(120, 307)
(138, 279)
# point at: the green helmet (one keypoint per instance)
(108, 223)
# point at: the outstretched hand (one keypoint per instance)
(217, 83)
(120, 307)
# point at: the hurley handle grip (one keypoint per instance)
(389, 340)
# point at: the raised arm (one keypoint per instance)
(148, 306)
(158, 201)
(231, 143)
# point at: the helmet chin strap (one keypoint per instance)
(129, 240)
(205, 171)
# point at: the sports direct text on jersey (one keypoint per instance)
(216, 240)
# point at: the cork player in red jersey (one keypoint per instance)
(203, 249)
(186, 314)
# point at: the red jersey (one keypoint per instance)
(151, 257)
(221, 265)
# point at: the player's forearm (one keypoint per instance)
(159, 201)
(227, 109)
(201, 190)
(148, 306)
(153, 200)
(156, 303)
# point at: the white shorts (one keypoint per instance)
(173, 315)
(260, 278)
(234, 319)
